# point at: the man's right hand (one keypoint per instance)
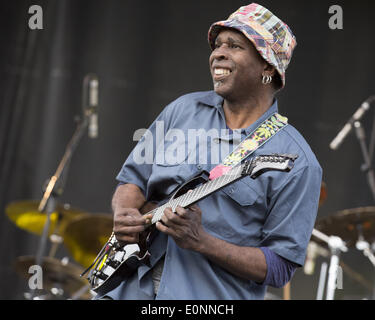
(128, 223)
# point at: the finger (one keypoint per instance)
(126, 239)
(130, 221)
(171, 221)
(128, 230)
(148, 218)
(163, 228)
(194, 207)
(128, 212)
(181, 212)
(170, 217)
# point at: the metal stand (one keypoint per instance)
(364, 246)
(361, 244)
(366, 167)
(322, 280)
(55, 189)
(336, 246)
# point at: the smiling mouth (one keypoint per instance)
(221, 73)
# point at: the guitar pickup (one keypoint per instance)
(100, 275)
(113, 263)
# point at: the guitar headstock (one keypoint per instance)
(260, 164)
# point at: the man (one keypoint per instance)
(251, 234)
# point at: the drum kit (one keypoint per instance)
(348, 229)
(332, 235)
(83, 235)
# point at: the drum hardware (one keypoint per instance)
(357, 228)
(47, 218)
(322, 280)
(364, 246)
(55, 240)
(336, 246)
(82, 291)
(56, 184)
(350, 225)
(61, 279)
(25, 215)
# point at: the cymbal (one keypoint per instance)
(85, 235)
(56, 274)
(25, 215)
(349, 224)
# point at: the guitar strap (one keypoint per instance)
(264, 132)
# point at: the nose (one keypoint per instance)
(219, 54)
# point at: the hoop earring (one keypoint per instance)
(266, 79)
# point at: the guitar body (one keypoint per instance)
(115, 262)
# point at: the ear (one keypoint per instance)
(269, 70)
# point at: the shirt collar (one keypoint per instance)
(214, 100)
(211, 99)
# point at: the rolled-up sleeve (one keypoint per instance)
(293, 210)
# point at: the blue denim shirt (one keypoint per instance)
(277, 210)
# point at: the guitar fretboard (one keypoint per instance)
(199, 193)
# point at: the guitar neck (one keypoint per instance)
(198, 193)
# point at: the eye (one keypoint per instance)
(235, 46)
(217, 45)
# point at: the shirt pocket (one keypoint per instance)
(242, 210)
(171, 168)
(172, 154)
(241, 192)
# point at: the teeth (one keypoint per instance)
(220, 71)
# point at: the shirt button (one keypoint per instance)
(199, 166)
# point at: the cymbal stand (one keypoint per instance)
(55, 187)
(336, 246)
(364, 246)
(366, 167)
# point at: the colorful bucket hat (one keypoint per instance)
(271, 37)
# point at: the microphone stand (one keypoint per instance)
(48, 202)
(366, 167)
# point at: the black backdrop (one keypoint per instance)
(146, 54)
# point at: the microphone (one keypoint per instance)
(336, 142)
(91, 88)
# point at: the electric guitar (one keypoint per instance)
(114, 262)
